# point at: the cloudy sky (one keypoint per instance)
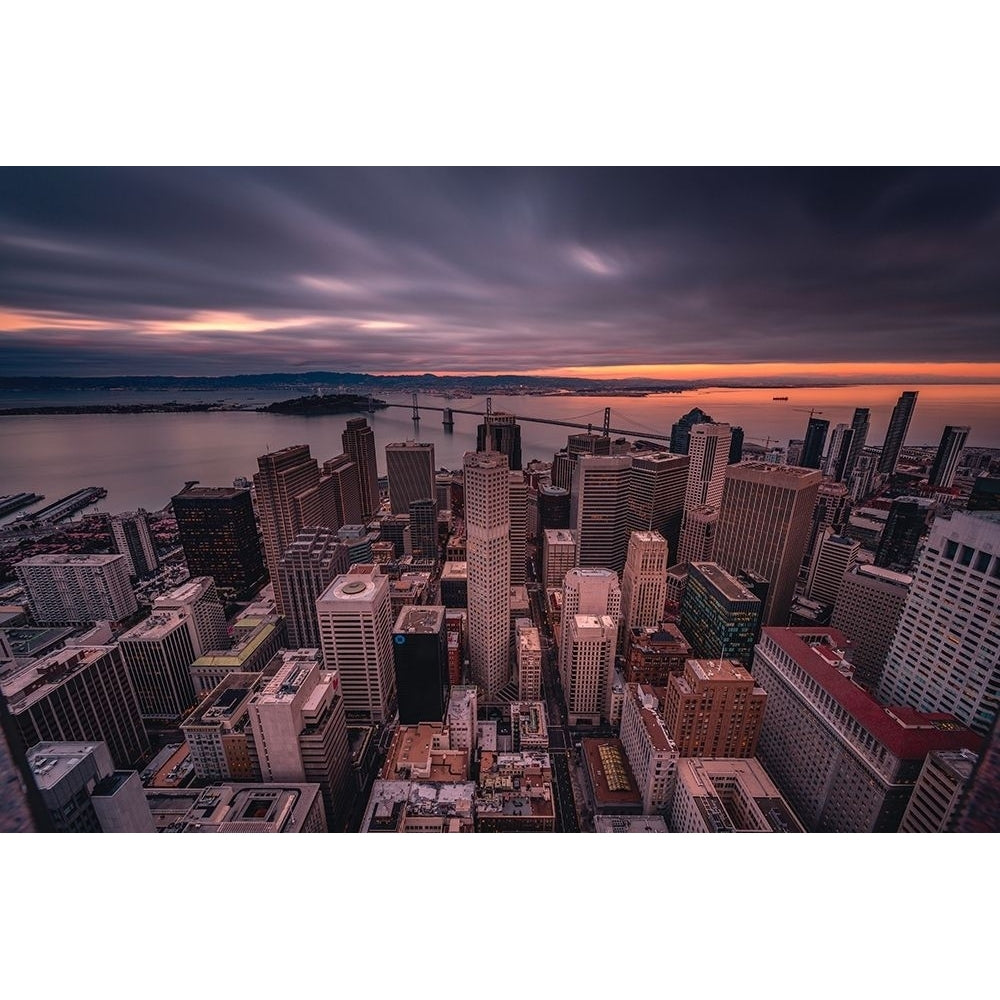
(655, 272)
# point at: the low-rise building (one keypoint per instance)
(529, 728)
(424, 753)
(420, 807)
(651, 753)
(610, 782)
(514, 793)
(256, 808)
(654, 653)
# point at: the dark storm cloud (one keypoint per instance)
(215, 270)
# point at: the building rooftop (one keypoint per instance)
(724, 582)
(157, 626)
(51, 761)
(209, 492)
(426, 620)
(259, 633)
(560, 536)
(171, 768)
(258, 808)
(224, 703)
(455, 571)
(71, 559)
(630, 824)
(27, 641)
(905, 732)
(878, 573)
(392, 801)
(610, 775)
(27, 685)
(718, 670)
(423, 752)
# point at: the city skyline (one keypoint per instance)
(843, 273)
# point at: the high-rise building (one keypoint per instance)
(764, 526)
(938, 791)
(355, 627)
(343, 473)
(599, 509)
(859, 425)
(644, 580)
(553, 507)
(307, 567)
(420, 656)
(895, 436)
(588, 662)
(291, 495)
(651, 753)
(736, 445)
(487, 523)
(359, 446)
(501, 432)
(463, 709)
(159, 652)
(845, 763)
(908, 522)
(832, 509)
(839, 452)
(859, 481)
(720, 616)
(67, 587)
(714, 709)
(559, 555)
(945, 655)
(946, 460)
(656, 495)
(81, 693)
(518, 529)
(132, 539)
(708, 456)
(815, 439)
(198, 600)
(697, 541)
(256, 638)
(592, 591)
(424, 531)
(654, 653)
(218, 532)
(65, 772)
(529, 663)
(793, 456)
(410, 467)
(680, 433)
(985, 494)
(835, 554)
(300, 730)
(979, 808)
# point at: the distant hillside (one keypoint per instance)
(316, 406)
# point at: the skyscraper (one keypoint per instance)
(500, 432)
(218, 532)
(938, 791)
(708, 456)
(946, 460)
(589, 643)
(944, 656)
(487, 523)
(835, 554)
(644, 580)
(764, 526)
(346, 489)
(697, 542)
(198, 600)
(71, 587)
(359, 446)
(132, 539)
(599, 509)
(410, 467)
(309, 565)
(839, 452)
(355, 629)
(559, 555)
(424, 530)
(859, 425)
(518, 488)
(736, 445)
(720, 616)
(291, 495)
(420, 658)
(680, 433)
(895, 436)
(657, 484)
(908, 522)
(815, 439)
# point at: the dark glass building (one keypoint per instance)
(500, 432)
(424, 530)
(909, 520)
(420, 656)
(680, 433)
(735, 445)
(859, 425)
(720, 616)
(815, 439)
(895, 436)
(219, 536)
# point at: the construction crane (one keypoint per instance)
(801, 409)
(767, 441)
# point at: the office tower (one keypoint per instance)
(680, 433)
(81, 693)
(728, 796)
(77, 588)
(442, 490)
(587, 443)
(764, 526)
(455, 585)
(355, 627)
(299, 729)
(845, 763)
(291, 495)
(562, 470)
(359, 446)
(592, 591)
(410, 467)
(979, 807)
(835, 555)
(839, 453)
(794, 454)
(985, 494)
(392, 528)
(487, 522)
(697, 541)
(859, 425)
(589, 643)
(119, 800)
(132, 539)
(599, 509)
(644, 580)
(831, 510)
(198, 600)
(736, 445)
(650, 751)
(463, 708)
(307, 567)
(946, 460)
(346, 486)
(553, 507)
(895, 435)
(943, 657)
(654, 653)
(720, 616)
(218, 532)
(938, 791)
(518, 529)
(656, 495)
(21, 807)
(158, 653)
(256, 638)
(815, 439)
(708, 456)
(424, 531)
(420, 657)
(500, 432)
(867, 611)
(64, 773)
(559, 555)
(860, 479)
(714, 709)
(359, 541)
(529, 663)
(909, 520)
(218, 734)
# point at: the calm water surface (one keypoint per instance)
(142, 459)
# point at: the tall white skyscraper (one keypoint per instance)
(945, 655)
(599, 509)
(487, 525)
(355, 628)
(709, 456)
(835, 555)
(644, 581)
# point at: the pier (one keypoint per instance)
(16, 501)
(68, 505)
